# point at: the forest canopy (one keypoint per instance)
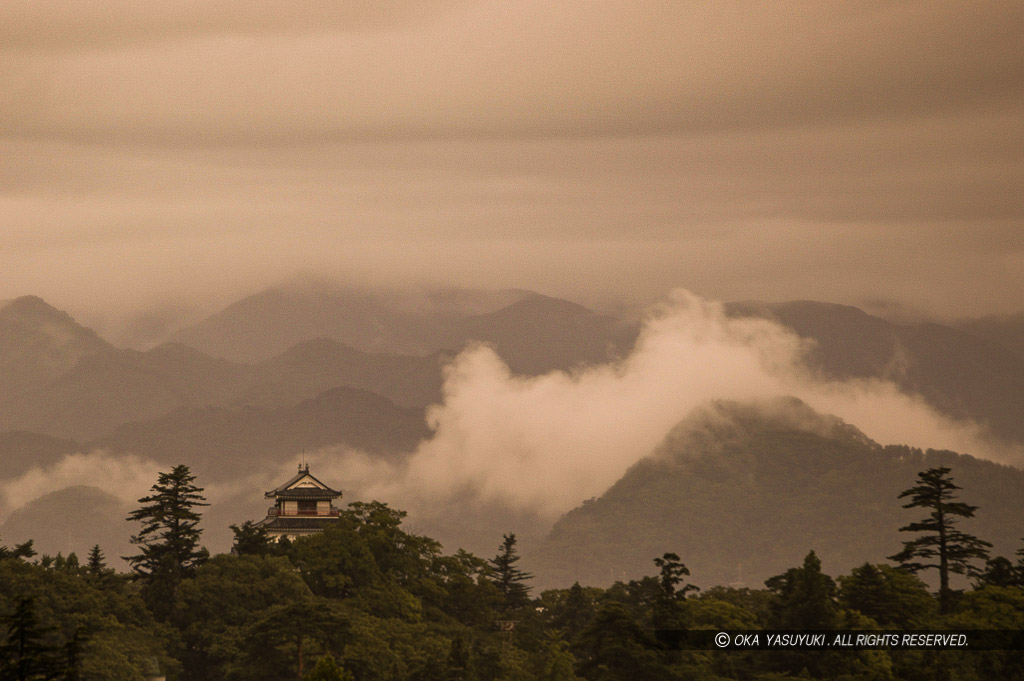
(367, 599)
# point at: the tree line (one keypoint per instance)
(367, 600)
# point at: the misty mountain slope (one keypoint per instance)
(1006, 330)
(269, 322)
(539, 334)
(221, 442)
(73, 519)
(959, 373)
(966, 377)
(533, 333)
(38, 343)
(741, 493)
(21, 450)
(849, 343)
(323, 363)
(113, 387)
(109, 387)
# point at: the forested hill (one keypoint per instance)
(742, 491)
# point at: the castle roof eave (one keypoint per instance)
(303, 493)
(283, 491)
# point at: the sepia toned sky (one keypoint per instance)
(184, 154)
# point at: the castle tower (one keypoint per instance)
(302, 506)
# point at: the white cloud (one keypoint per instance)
(546, 443)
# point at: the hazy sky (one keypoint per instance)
(862, 152)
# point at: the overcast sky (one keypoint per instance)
(861, 152)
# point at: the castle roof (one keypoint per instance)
(303, 485)
(293, 524)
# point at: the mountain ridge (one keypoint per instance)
(739, 497)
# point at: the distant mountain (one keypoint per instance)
(59, 379)
(322, 363)
(21, 450)
(111, 387)
(533, 333)
(743, 492)
(73, 519)
(961, 373)
(82, 388)
(539, 334)
(1006, 330)
(271, 321)
(38, 343)
(218, 442)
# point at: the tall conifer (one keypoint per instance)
(941, 547)
(509, 578)
(169, 539)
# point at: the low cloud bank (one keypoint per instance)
(124, 477)
(543, 444)
(508, 448)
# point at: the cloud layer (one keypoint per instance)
(543, 445)
(122, 476)
(516, 452)
(181, 154)
(257, 71)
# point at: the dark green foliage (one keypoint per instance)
(669, 612)
(367, 600)
(806, 597)
(404, 557)
(614, 646)
(571, 610)
(251, 540)
(942, 547)
(327, 669)
(671, 574)
(459, 589)
(96, 566)
(889, 596)
(999, 571)
(215, 610)
(23, 550)
(336, 563)
(71, 656)
(87, 630)
(169, 538)
(460, 661)
(284, 636)
(558, 663)
(26, 653)
(507, 577)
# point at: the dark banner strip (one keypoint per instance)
(769, 639)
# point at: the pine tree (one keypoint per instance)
(668, 611)
(806, 597)
(25, 653)
(672, 571)
(96, 565)
(169, 539)
(19, 551)
(577, 614)
(954, 550)
(507, 577)
(250, 540)
(999, 571)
